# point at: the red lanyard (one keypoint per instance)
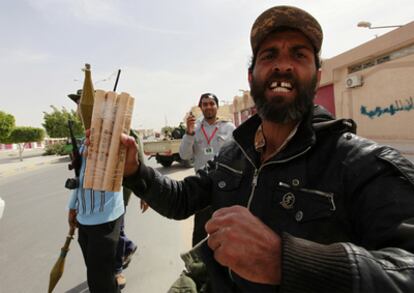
(205, 134)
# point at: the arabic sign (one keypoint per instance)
(392, 109)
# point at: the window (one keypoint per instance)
(402, 52)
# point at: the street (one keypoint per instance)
(34, 228)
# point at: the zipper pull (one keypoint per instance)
(255, 176)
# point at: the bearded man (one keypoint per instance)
(301, 203)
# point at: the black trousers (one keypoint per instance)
(99, 244)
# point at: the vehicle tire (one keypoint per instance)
(178, 133)
(187, 163)
(165, 162)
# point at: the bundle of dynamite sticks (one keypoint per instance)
(111, 117)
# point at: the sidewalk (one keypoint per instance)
(10, 163)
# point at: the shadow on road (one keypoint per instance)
(61, 159)
(81, 288)
(175, 167)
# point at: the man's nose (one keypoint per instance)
(283, 64)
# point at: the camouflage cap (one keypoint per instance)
(75, 97)
(286, 16)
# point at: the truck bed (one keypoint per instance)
(162, 147)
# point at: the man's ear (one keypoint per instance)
(250, 77)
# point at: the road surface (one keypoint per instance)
(34, 228)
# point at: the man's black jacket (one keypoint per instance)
(343, 205)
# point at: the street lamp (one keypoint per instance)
(367, 24)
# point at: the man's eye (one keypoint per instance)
(266, 56)
(300, 55)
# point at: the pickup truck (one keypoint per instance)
(165, 151)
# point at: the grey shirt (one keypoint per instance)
(196, 146)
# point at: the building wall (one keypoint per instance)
(28, 145)
(325, 97)
(383, 106)
(243, 108)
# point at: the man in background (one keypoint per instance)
(126, 248)
(201, 142)
(98, 216)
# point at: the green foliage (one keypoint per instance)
(60, 149)
(23, 134)
(7, 123)
(56, 123)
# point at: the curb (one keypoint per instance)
(10, 170)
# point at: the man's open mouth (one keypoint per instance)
(281, 86)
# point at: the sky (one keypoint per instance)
(169, 52)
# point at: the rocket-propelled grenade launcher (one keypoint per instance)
(111, 117)
(87, 98)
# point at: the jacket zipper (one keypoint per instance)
(230, 168)
(254, 184)
(256, 176)
(257, 171)
(328, 195)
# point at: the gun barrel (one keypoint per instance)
(76, 158)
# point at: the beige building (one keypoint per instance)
(374, 85)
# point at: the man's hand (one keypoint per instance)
(243, 243)
(131, 160)
(190, 124)
(73, 223)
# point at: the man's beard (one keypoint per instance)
(209, 115)
(277, 110)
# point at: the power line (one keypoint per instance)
(110, 77)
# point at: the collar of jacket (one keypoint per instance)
(318, 120)
(218, 121)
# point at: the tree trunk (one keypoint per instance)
(21, 149)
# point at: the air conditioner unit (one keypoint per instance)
(353, 81)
